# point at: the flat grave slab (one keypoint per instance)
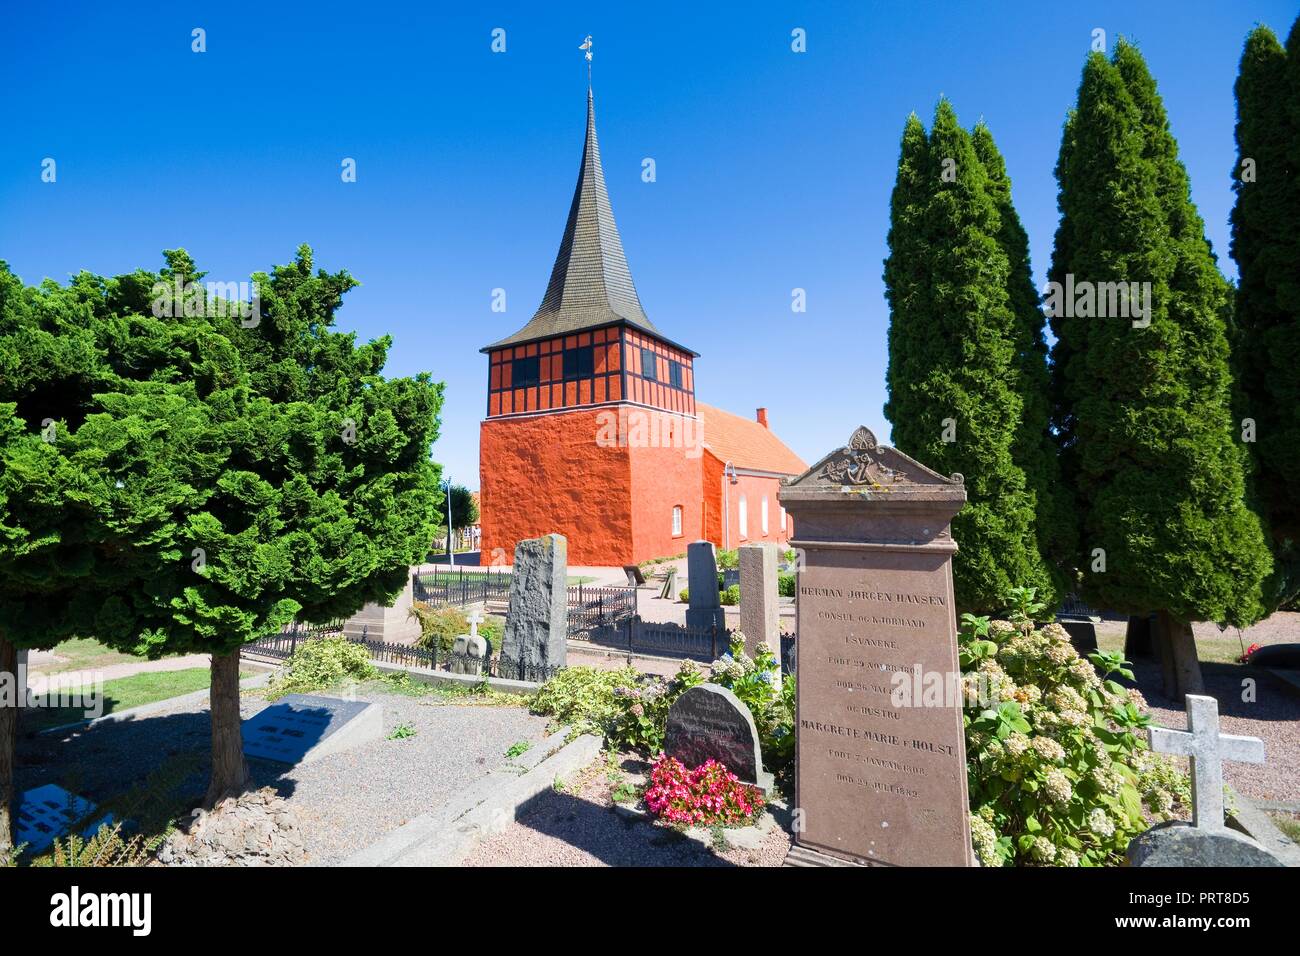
(301, 728)
(48, 812)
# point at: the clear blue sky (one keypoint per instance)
(774, 168)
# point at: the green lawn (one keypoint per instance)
(123, 693)
(84, 654)
(1219, 649)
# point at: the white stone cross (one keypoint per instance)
(475, 620)
(1208, 749)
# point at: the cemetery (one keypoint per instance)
(1051, 622)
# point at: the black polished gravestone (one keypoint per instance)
(301, 728)
(709, 722)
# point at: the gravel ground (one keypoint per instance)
(579, 827)
(1273, 716)
(344, 802)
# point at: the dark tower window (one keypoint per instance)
(579, 363)
(648, 364)
(675, 374)
(526, 372)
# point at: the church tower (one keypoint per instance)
(591, 427)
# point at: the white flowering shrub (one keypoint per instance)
(1057, 760)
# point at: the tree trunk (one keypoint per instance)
(8, 742)
(1183, 669)
(229, 771)
(1164, 655)
(1137, 638)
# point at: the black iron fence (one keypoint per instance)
(594, 608)
(659, 639)
(461, 586)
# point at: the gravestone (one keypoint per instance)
(760, 615)
(705, 608)
(1207, 841)
(669, 590)
(302, 728)
(708, 722)
(878, 780)
(635, 577)
(48, 812)
(469, 650)
(1083, 636)
(391, 624)
(537, 623)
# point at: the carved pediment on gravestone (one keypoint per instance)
(865, 464)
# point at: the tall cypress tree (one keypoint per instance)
(1034, 450)
(1144, 380)
(954, 369)
(1266, 246)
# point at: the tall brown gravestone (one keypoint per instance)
(878, 781)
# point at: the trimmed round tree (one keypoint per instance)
(1266, 246)
(954, 359)
(1141, 362)
(312, 488)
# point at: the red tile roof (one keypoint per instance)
(746, 443)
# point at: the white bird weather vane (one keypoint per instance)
(586, 46)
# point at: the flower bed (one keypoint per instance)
(709, 795)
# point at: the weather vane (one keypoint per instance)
(586, 46)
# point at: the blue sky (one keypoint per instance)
(774, 168)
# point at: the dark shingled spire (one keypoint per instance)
(590, 284)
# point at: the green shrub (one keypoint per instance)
(1057, 760)
(730, 596)
(440, 626)
(729, 558)
(320, 663)
(583, 697)
(107, 847)
(685, 595)
(785, 583)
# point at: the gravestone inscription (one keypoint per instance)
(880, 772)
(708, 722)
(48, 812)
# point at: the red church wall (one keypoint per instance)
(753, 488)
(546, 473)
(665, 474)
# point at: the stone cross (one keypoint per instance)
(475, 620)
(1207, 749)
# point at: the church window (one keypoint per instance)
(648, 369)
(762, 515)
(677, 521)
(526, 372)
(743, 522)
(675, 374)
(579, 363)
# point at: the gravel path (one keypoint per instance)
(344, 802)
(1273, 716)
(580, 828)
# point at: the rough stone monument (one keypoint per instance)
(760, 612)
(705, 608)
(709, 722)
(1208, 841)
(537, 624)
(879, 781)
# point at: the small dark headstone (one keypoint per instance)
(1175, 843)
(1137, 638)
(709, 722)
(1282, 656)
(301, 728)
(634, 576)
(1083, 635)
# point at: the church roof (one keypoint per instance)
(590, 283)
(746, 443)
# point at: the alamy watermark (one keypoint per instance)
(71, 690)
(637, 428)
(216, 300)
(1100, 300)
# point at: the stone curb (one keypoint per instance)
(144, 710)
(424, 675)
(1254, 822)
(446, 837)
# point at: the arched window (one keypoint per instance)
(677, 521)
(762, 515)
(743, 522)
(783, 519)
